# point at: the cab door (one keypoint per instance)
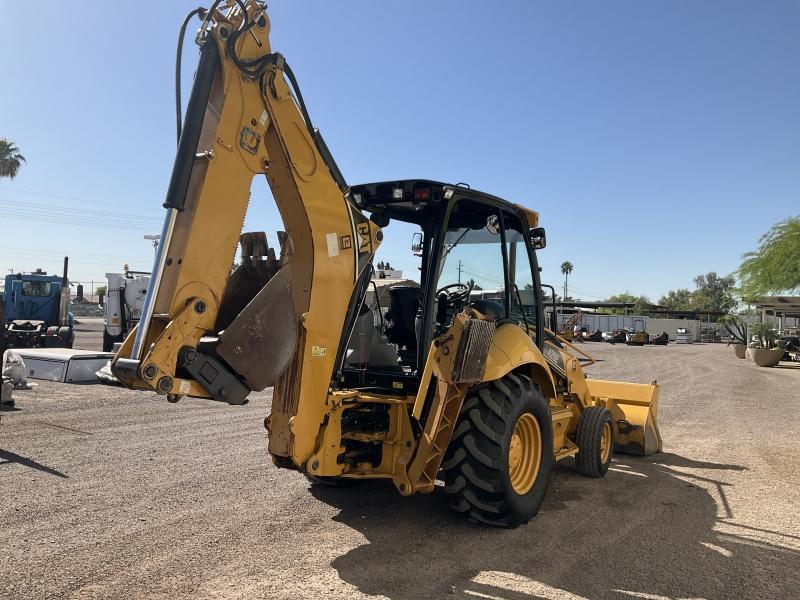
(523, 287)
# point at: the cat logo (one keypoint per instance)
(364, 238)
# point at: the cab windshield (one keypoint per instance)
(36, 288)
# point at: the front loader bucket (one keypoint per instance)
(634, 407)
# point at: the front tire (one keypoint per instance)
(498, 464)
(595, 439)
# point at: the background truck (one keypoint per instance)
(36, 307)
(125, 295)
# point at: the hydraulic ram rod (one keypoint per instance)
(179, 183)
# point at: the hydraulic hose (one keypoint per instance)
(201, 12)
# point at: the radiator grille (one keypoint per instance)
(473, 350)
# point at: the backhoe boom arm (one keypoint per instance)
(213, 332)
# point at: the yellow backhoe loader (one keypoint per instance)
(434, 386)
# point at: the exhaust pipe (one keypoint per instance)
(63, 307)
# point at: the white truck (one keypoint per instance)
(125, 296)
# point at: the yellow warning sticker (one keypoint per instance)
(319, 351)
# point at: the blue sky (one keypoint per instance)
(657, 140)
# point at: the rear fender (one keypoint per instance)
(513, 350)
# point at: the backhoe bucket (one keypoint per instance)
(634, 408)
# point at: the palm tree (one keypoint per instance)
(566, 269)
(10, 159)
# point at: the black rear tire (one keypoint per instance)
(476, 465)
(594, 423)
(108, 341)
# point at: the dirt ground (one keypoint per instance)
(109, 493)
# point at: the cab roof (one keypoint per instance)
(415, 200)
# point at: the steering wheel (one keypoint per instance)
(460, 292)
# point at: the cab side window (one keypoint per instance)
(522, 297)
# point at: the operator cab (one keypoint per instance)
(473, 250)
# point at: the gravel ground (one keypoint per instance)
(109, 493)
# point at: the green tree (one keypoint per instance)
(641, 304)
(545, 293)
(680, 299)
(101, 289)
(775, 265)
(624, 297)
(566, 270)
(10, 159)
(714, 293)
(471, 283)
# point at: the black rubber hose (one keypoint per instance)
(190, 136)
(201, 12)
(290, 76)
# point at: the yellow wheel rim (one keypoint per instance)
(606, 442)
(525, 453)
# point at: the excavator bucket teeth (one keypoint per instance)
(634, 408)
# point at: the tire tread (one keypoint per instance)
(588, 435)
(473, 467)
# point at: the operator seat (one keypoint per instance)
(403, 306)
(492, 309)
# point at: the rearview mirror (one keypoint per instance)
(416, 242)
(493, 224)
(538, 237)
